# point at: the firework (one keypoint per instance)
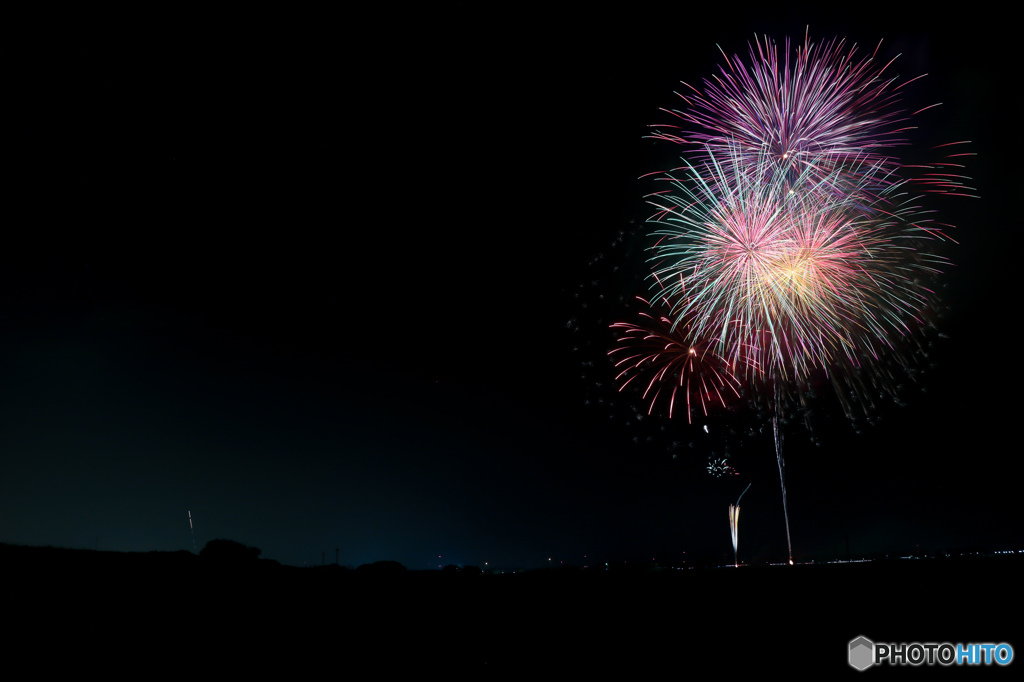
(734, 526)
(734, 530)
(720, 467)
(822, 111)
(783, 278)
(790, 246)
(813, 110)
(192, 532)
(680, 365)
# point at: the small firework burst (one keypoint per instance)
(720, 467)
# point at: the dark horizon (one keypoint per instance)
(326, 297)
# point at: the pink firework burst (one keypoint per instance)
(807, 109)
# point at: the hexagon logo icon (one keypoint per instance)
(862, 653)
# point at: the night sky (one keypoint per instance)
(339, 283)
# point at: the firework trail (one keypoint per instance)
(192, 531)
(782, 483)
(734, 526)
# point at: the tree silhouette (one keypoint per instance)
(229, 552)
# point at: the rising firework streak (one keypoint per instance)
(192, 530)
